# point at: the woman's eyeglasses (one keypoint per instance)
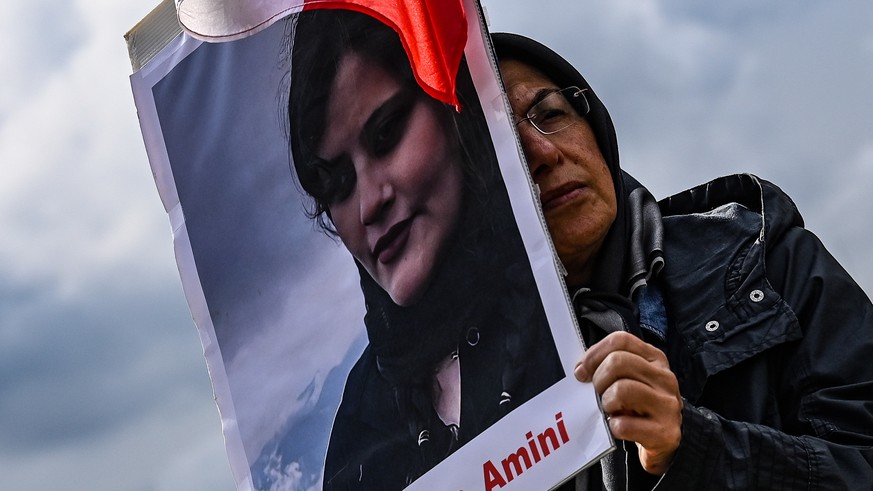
(558, 110)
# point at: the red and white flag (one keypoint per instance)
(433, 34)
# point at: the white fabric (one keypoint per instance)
(227, 20)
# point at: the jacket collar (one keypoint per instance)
(722, 308)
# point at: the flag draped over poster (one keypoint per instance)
(433, 34)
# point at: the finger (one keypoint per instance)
(625, 365)
(656, 443)
(654, 436)
(631, 397)
(648, 417)
(617, 341)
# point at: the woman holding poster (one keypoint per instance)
(457, 335)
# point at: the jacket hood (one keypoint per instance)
(778, 211)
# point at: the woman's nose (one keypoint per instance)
(376, 194)
(539, 151)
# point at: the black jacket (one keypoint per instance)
(772, 343)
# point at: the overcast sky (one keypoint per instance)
(103, 385)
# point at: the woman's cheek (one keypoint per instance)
(349, 228)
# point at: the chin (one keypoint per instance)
(404, 298)
(407, 295)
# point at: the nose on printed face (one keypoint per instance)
(376, 193)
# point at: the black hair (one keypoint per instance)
(320, 40)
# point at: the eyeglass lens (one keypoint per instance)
(555, 112)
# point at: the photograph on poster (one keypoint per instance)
(354, 261)
(412, 189)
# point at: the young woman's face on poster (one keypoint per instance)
(404, 206)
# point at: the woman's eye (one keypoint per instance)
(335, 180)
(383, 136)
(552, 114)
(344, 180)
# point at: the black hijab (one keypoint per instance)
(631, 253)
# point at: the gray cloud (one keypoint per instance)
(53, 34)
(101, 374)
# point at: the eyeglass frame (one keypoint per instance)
(574, 103)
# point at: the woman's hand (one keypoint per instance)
(639, 394)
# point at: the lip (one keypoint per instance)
(392, 242)
(560, 195)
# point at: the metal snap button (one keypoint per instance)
(423, 437)
(712, 326)
(473, 336)
(756, 296)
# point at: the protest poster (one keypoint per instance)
(376, 295)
